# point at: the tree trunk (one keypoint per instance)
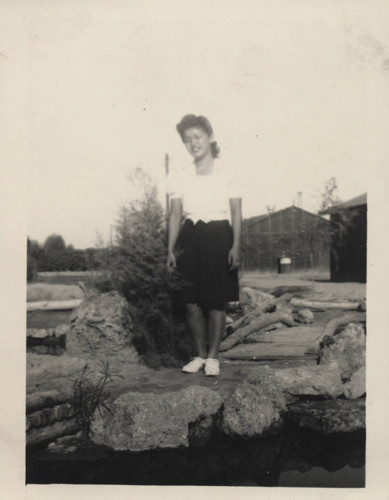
(265, 320)
(51, 432)
(336, 323)
(53, 305)
(40, 400)
(346, 305)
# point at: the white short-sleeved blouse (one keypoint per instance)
(205, 197)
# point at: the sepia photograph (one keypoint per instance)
(196, 248)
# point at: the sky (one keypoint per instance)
(289, 87)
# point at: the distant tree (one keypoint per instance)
(318, 234)
(34, 248)
(35, 253)
(54, 243)
(341, 218)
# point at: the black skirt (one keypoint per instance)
(203, 261)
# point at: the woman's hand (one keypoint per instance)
(233, 258)
(171, 262)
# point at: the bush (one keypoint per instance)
(136, 268)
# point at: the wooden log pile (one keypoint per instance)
(260, 313)
(49, 415)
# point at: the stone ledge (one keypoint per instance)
(329, 417)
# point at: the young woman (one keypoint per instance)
(207, 241)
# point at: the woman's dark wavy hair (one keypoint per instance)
(202, 122)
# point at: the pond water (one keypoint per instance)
(291, 458)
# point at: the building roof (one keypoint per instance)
(258, 218)
(354, 202)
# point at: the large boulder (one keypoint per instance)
(300, 381)
(146, 421)
(307, 381)
(347, 350)
(329, 417)
(254, 408)
(101, 327)
(257, 406)
(356, 387)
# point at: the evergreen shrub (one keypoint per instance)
(136, 267)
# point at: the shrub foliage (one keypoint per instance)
(136, 267)
(89, 395)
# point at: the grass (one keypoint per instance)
(89, 395)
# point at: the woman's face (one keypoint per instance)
(197, 142)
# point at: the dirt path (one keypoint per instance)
(302, 285)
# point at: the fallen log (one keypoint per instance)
(255, 299)
(53, 305)
(322, 305)
(336, 323)
(237, 324)
(40, 400)
(279, 304)
(244, 320)
(48, 416)
(51, 432)
(265, 320)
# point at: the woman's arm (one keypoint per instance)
(236, 222)
(174, 228)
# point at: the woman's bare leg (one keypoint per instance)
(195, 322)
(216, 326)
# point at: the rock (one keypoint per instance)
(356, 387)
(305, 316)
(346, 349)
(300, 381)
(202, 430)
(257, 405)
(254, 408)
(101, 327)
(37, 333)
(66, 444)
(146, 421)
(362, 306)
(329, 417)
(309, 381)
(61, 330)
